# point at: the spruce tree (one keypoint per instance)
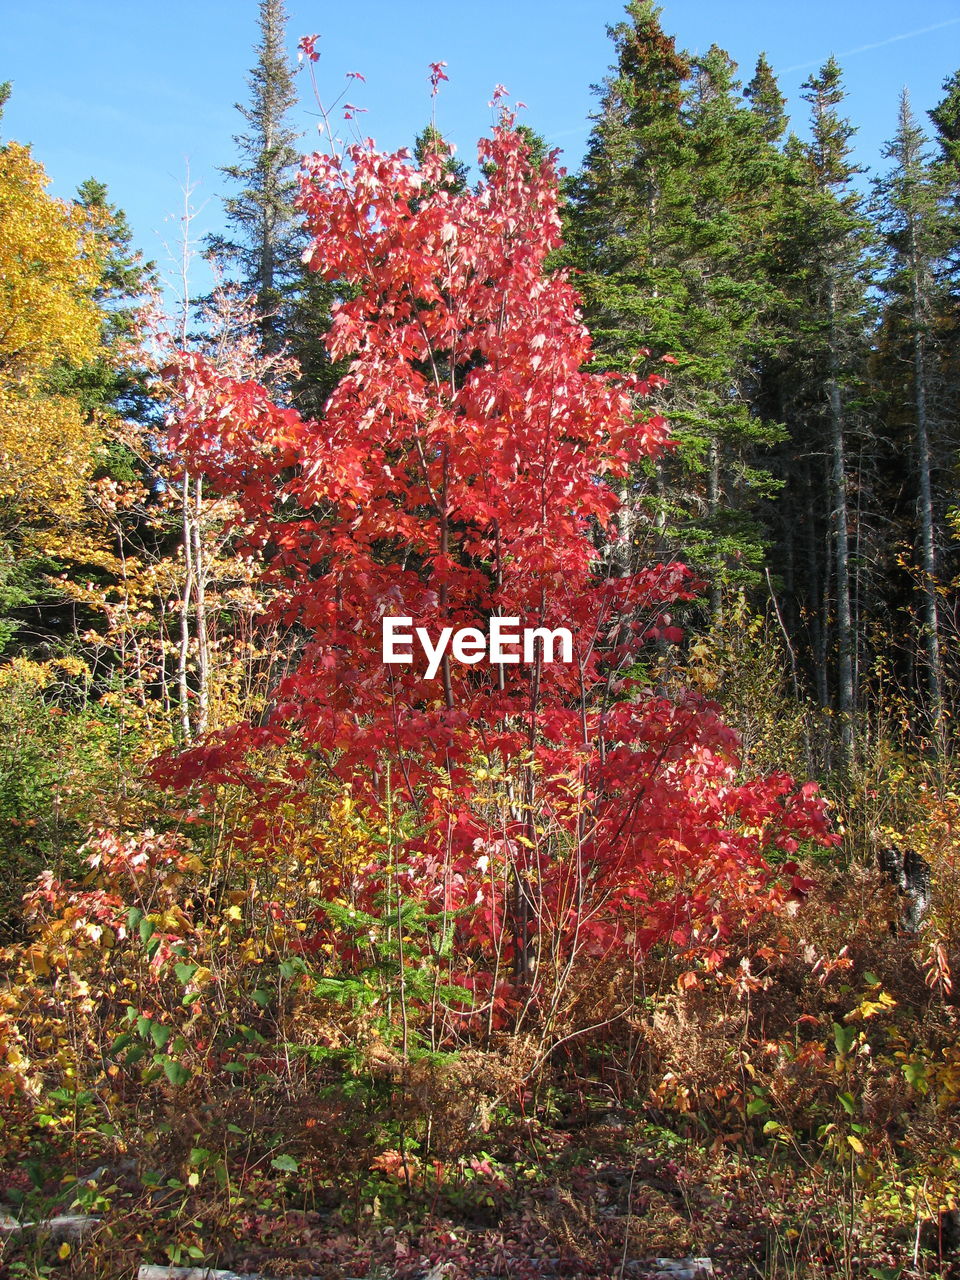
(824, 239)
(112, 384)
(766, 101)
(263, 252)
(632, 199)
(263, 248)
(946, 118)
(915, 228)
(667, 227)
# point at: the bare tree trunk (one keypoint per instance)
(713, 505)
(845, 687)
(815, 611)
(928, 553)
(186, 596)
(202, 628)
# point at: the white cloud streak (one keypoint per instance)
(877, 44)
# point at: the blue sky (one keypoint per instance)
(132, 93)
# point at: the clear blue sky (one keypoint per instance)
(131, 92)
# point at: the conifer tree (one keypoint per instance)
(667, 225)
(432, 142)
(912, 217)
(263, 249)
(110, 384)
(766, 101)
(824, 238)
(946, 118)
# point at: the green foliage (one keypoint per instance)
(669, 225)
(58, 769)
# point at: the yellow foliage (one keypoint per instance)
(48, 271)
(46, 452)
(21, 671)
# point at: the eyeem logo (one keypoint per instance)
(471, 645)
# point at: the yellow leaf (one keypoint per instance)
(856, 1144)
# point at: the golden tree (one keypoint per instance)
(48, 272)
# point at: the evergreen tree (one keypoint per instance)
(111, 384)
(766, 101)
(946, 118)
(632, 199)
(264, 251)
(432, 142)
(823, 350)
(667, 226)
(912, 217)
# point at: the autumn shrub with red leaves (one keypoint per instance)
(462, 470)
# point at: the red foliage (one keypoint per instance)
(462, 470)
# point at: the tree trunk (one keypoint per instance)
(845, 687)
(925, 513)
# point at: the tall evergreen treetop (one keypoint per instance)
(766, 101)
(829, 148)
(631, 200)
(112, 381)
(264, 250)
(911, 200)
(668, 223)
(946, 118)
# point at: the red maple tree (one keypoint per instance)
(462, 470)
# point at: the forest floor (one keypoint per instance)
(603, 1194)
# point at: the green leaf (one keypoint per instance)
(147, 930)
(160, 1034)
(260, 997)
(848, 1103)
(915, 1074)
(757, 1107)
(286, 1164)
(843, 1038)
(185, 971)
(176, 1072)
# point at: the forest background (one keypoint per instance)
(294, 953)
